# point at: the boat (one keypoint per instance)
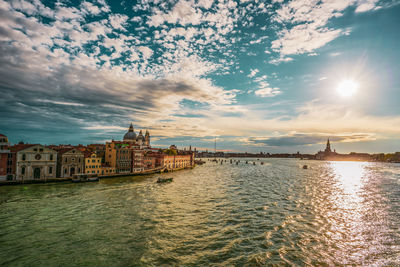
(79, 178)
(262, 163)
(305, 167)
(254, 163)
(164, 180)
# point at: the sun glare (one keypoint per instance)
(347, 88)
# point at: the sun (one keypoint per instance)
(347, 88)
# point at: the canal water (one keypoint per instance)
(333, 213)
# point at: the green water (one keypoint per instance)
(334, 213)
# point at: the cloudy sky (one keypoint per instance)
(260, 75)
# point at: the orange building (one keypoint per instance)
(92, 163)
(119, 155)
(179, 161)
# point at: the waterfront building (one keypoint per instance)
(107, 170)
(137, 160)
(35, 162)
(119, 155)
(174, 159)
(70, 161)
(92, 163)
(137, 140)
(4, 156)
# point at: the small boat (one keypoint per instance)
(254, 163)
(82, 177)
(262, 162)
(305, 167)
(164, 180)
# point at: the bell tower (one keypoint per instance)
(328, 147)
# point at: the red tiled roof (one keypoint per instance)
(19, 147)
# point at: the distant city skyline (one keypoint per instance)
(276, 77)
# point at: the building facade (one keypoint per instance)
(70, 162)
(4, 156)
(36, 162)
(92, 164)
(179, 161)
(119, 155)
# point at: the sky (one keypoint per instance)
(271, 76)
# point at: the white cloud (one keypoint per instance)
(367, 5)
(303, 38)
(146, 52)
(89, 8)
(118, 21)
(308, 19)
(253, 73)
(267, 92)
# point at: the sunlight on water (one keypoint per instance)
(349, 175)
(276, 213)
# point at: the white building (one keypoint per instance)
(36, 162)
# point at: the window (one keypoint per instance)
(65, 160)
(50, 170)
(23, 157)
(65, 171)
(23, 170)
(79, 170)
(93, 161)
(73, 159)
(79, 160)
(35, 149)
(51, 156)
(41, 149)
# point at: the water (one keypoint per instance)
(334, 213)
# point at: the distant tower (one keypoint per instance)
(328, 147)
(147, 139)
(140, 139)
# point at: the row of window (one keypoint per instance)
(24, 157)
(23, 170)
(93, 166)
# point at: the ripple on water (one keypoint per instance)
(334, 213)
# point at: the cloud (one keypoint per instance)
(306, 24)
(267, 92)
(303, 38)
(303, 139)
(253, 73)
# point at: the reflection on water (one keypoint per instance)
(334, 213)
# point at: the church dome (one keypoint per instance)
(130, 135)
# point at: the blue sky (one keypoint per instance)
(258, 75)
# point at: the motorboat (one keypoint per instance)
(164, 180)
